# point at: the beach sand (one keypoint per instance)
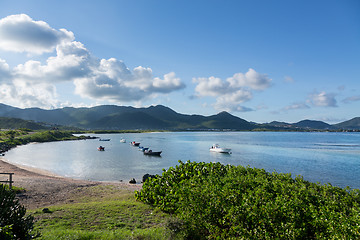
(45, 189)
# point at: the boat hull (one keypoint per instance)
(152, 153)
(220, 150)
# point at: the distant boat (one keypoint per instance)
(143, 149)
(101, 148)
(218, 149)
(135, 143)
(151, 153)
(104, 139)
(123, 140)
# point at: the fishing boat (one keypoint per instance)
(218, 149)
(123, 140)
(135, 143)
(101, 148)
(151, 153)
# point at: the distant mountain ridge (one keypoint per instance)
(111, 117)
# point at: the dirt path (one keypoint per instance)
(44, 189)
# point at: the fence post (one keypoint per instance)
(10, 178)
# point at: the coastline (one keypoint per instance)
(43, 188)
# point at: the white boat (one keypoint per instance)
(123, 140)
(217, 148)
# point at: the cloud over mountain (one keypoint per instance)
(234, 91)
(33, 83)
(322, 99)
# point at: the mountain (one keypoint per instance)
(311, 124)
(353, 124)
(110, 117)
(16, 123)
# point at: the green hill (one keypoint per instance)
(16, 123)
(353, 124)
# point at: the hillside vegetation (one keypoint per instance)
(13, 138)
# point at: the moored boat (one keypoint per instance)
(101, 148)
(123, 140)
(151, 153)
(143, 149)
(218, 149)
(135, 143)
(104, 139)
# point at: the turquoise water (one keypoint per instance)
(319, 157)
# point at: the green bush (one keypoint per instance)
(13, 222)
(214, 201)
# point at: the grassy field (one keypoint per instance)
(102, 212)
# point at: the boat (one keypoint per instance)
(143, 149)
(135, 143)
(101, 148)
(104, 139)
(151, 153)
(218, 149)
(123, 140)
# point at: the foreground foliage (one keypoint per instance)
(13, 222)
(216, 201)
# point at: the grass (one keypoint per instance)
(102, 212)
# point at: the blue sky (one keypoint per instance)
(259, 60)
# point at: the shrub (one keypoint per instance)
(13, 222)
(217, 201)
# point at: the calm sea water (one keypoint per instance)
(319, 157)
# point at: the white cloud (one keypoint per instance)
(250, 79)
(33, 82)
(168, 84)
(19, 33)
(351, 99)
(5, 73)
(231, 102)
(113, 81)
(296, 106)
(24, 95)
(211, 86)
(323, 99)
(234, 91)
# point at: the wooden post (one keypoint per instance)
(10, 178)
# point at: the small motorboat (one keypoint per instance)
(104, 139)
(218, 149)
(123, 140)
(143, 149)
(135, 143)
(151, 153)
(101, 148)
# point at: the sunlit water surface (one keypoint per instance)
(319, 157)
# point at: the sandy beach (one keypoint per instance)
(44, 188)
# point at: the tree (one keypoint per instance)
(13, 222)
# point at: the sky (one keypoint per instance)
(260, 60)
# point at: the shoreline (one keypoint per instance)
(43, 188)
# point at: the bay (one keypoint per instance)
(319, 157)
